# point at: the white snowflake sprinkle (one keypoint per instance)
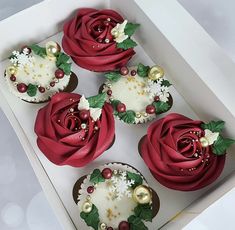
(22, 59)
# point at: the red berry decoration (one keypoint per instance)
(52, 84)
(28, 49)
(109, 228)
(150, 109)
(59, 73)
(121, 108)
(90, 189)
(124, 225)
(109, 92)
(22, 88)
(156, 98)
(41, 89)
(124, 71)
(133, 72)
(107, 173)
(84, 114)
(12, 77)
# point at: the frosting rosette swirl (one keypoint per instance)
(175, 155)
(89, 40)
(71, 133)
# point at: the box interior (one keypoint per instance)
(154, 47)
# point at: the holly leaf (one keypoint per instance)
(143, 70)
(131, 28)
(128, 116)
(113, 76)
(91, 218)
(32, 90)
(66, 67)
(38, 50)
(221, 144)
(161, 106)
(136, 223)
(97, 101)
(96, 177)
(136, 178)
(127, 44)
(144, 212)
(114, 104)
(166, 83)
(61, 58)
(214, 126)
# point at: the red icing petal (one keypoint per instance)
(174, 159)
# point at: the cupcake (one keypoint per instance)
(138, 93)
(184, 154)
(99, 40)
(36, 73)
(115, 196)
(74, 130)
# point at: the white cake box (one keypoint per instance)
(200, 72)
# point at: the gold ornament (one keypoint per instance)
(204, 142)
(138, 115)
(155, 73)
(103, 226)
(142, 194)
(12, 70)
(52, 48)
(87, 207)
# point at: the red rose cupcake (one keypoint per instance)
(99, 40)
(73, 130)
(184, 154)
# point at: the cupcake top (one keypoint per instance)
(99, 40)
(74, 130)
(115, 196)
(36, 73)
(184, 154)
(138, 93)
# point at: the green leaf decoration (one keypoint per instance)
(161, 106)
(32, 90)
(38, 50)
(135, 177)
(131, 28)
(114, 104)
(221, 144)
(143, 70)
(113, 76)
(66, 67)
(214, 126)
(136, 223)
(144, 212)
(96, 177)
(97, 101)
(166, 83)
(91, 218)
(127, 44)
(128, 116)
(62, 63)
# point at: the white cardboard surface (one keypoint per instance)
(159, 45)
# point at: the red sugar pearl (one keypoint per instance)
(124, 71)
(124, 225)
(12, 77)
(109, 92)
(107, 173)
(90, 189)
(133, 72)
(84, 114)
(109, 228)
(22, 88)
(121, 108)
(156, 98)
(150, 109)
(41, 89)
(59, 73)
(52, 84)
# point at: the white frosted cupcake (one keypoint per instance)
(115, 196)
(138, 94)
(36, 73)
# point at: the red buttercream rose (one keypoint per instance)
(65, 138)
(172, 151)
(88, 40)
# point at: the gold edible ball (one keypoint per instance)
(12, 70)
(155, 73)
(103, 226)
(52, 48)
(204, 142)
(87, 207)
(142, 194)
